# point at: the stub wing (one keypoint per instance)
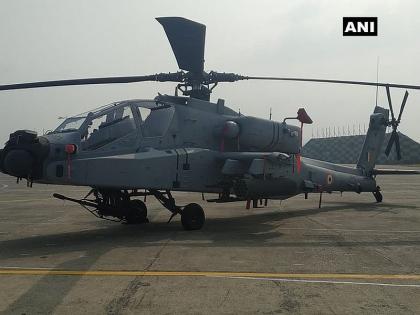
(253, 163)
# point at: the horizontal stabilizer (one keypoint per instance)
(388, 171)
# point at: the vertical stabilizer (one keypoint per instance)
(374, 139)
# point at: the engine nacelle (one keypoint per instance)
(264, 135)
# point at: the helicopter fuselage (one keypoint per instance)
(180, 144)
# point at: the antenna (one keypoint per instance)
(270, 113)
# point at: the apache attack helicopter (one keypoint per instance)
(137, 148)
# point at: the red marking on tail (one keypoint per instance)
(298, 163)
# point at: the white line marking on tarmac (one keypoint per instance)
(3, 186)
(327, 282)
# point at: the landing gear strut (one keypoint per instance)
(192, 215)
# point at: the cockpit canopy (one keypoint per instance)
(109, 123)
(70, 124)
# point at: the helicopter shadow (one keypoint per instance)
(254, 229)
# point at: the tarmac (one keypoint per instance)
(351, 256)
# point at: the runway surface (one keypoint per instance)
(352, 256)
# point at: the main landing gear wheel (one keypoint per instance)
(137, 212)
(192, 217)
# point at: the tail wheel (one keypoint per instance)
(192, 217)
(137, 212)
(378, 196)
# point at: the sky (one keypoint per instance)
(52, 40)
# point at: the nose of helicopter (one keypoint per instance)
(23, 155)
(18, 163)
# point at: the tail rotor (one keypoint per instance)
(394, 124)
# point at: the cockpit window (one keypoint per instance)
(70, 124)
(108, 127)
(144, 113)
(156, 120)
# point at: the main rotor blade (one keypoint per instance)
(388, 94)
(394, 85)
(402, 106)
(390, 143)
(175, 77)
(397, 146)
(187, 39)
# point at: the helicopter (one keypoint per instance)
(151, 147)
